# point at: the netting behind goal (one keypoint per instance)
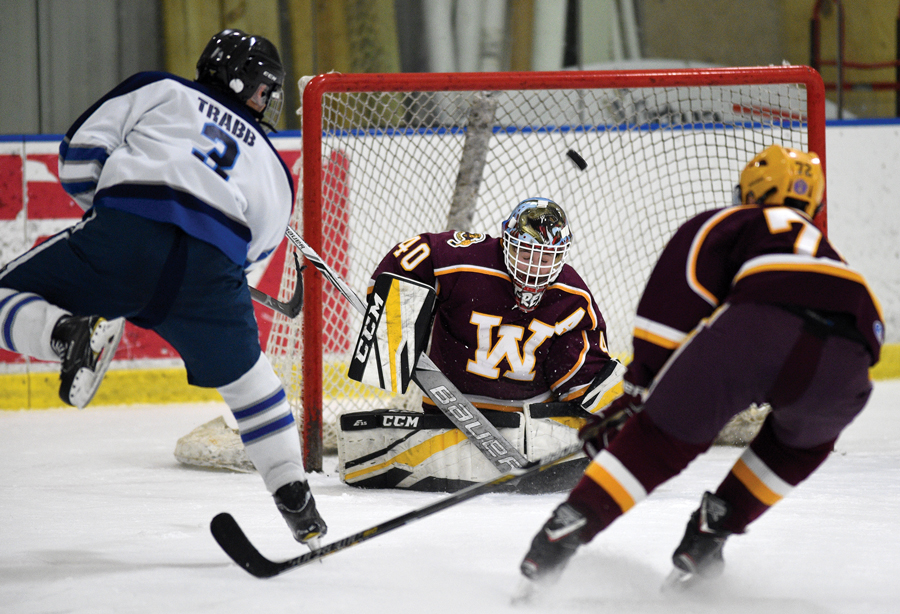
(386, 157)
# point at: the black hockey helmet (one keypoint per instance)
(247, 68)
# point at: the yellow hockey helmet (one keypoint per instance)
(783, 176)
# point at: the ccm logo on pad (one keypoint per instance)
(408, 422)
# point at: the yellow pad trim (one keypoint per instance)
(394, 321)
(416, 454)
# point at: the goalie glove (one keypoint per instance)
(604, 425)
(603, 386)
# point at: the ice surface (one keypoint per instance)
(97, 516)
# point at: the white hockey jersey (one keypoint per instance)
(175, 151)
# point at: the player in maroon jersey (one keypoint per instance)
(516, 330)
(747, 304)
(514, 323)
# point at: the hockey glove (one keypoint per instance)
(603, 426)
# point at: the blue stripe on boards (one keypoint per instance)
(268, 429)
(643, 126)
(251, 410)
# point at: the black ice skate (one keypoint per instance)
(699, 555)
(85, 345)
(554, 545)
(296, 504)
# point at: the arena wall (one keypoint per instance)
(863, 221)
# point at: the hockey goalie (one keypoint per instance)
(514, 329)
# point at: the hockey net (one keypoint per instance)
(386, 157)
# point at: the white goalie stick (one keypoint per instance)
(335, 279)
(447, 397)
(234, 542)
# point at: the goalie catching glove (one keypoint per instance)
(605, 424)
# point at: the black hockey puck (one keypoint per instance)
(577, 159)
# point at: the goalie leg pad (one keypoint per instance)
(424, 452)
(549, 428)
(416, 451)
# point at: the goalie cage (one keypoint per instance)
(388, 156)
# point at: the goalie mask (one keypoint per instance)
(536, 241)
(247, 68)
(783, 176)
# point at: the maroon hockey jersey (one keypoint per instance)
(747, 253)
(499, 357)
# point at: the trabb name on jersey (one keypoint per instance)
(235, 126)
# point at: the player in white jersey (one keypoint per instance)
(183, 192)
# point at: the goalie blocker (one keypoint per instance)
(395, 329)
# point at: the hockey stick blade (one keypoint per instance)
(293, 307)
(234, 542)
(228, 533)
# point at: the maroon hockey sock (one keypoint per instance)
(764, 474)
(649, 454)
(597, 506)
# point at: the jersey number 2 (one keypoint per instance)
(218, 160)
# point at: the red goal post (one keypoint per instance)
(388, 156)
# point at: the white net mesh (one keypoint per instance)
(391, 160)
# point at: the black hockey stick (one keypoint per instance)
(293, 307)
(234, 542)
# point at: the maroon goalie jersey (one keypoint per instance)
(748, 253)
(499, 357)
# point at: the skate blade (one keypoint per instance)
(679, 580)
(524, 593)
(104, 341)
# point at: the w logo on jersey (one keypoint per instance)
(520, 356)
